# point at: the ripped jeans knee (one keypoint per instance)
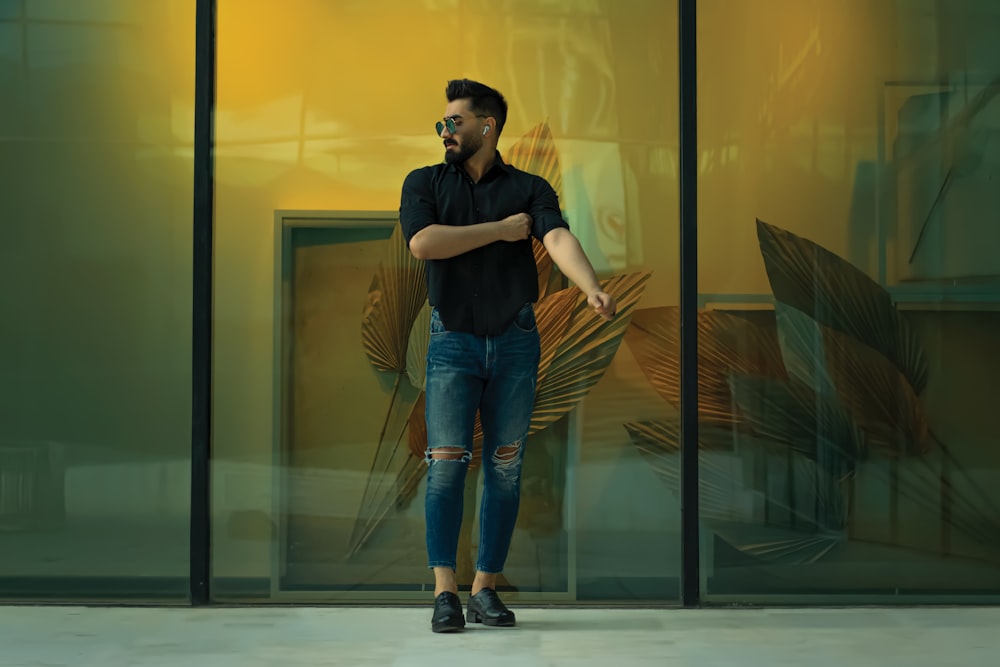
(434, 454)
(507, 460)
(446, 469)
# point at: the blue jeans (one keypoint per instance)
(495, 375)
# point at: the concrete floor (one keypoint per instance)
(109, 637)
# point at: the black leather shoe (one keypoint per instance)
(485, 607)
(447, 613)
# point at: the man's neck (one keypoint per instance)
(480, 163)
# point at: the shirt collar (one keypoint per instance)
(498, 163)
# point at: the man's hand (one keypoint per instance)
(515, 227)
(604, 304)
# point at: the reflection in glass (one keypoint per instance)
(96, 180)
(845, 445)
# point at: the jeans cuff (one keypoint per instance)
(434, 564)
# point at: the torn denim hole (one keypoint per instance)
(506, 458)
(456, 454)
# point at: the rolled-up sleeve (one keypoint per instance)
(545, 213)
(417, 209)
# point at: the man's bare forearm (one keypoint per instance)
(444, 241)
(566, 252)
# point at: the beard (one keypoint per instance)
(464, 153)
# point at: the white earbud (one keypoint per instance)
(485, 130)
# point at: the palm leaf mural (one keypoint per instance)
(840, 331)
(858, 377)
(397, 293)
(584, 350)
(553, 315)
(412, 471)
(727, 344)
(842, 297)
(395, 298)
(791, 416)
(885, 407)
(546, 268)
(830, 384)
(535, 152)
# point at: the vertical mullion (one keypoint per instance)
(690, 565)
(201, 343)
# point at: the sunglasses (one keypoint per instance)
(450, 124)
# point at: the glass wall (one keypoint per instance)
(850, 284)
(323, 108)
(95, 288)
(848, 280)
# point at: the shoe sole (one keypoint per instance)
(447, 628)
(475, 618)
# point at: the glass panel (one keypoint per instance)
(318, 474)
(851, 286)
(95, 285)
(11, 77)
(11, 9)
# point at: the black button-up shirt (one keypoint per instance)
(480, 291)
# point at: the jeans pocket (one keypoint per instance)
(437, 326)
(525, 319)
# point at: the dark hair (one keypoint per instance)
(482, 99)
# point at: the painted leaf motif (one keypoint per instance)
(838, 295)
(553, 315)
(727, 344)
(395, 298)
(790, 415)
(535, 152)
(400, 492)
(585, 350)
(546, 267)
(396, 295)
(388, 459)
(867, 384)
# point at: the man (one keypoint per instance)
(471, 219)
